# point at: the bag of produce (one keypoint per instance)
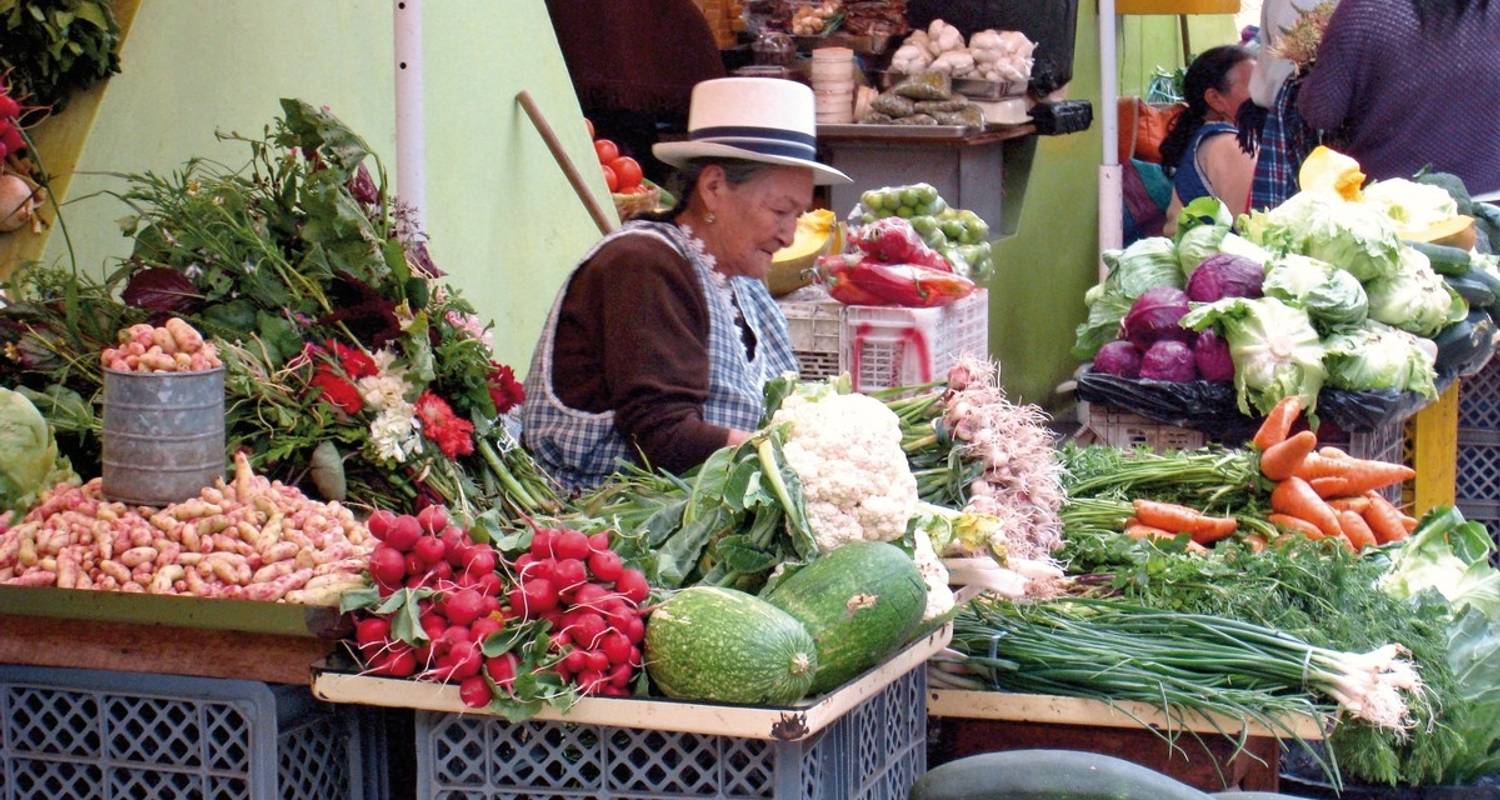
(936, 107)
(926, 86)
(855, 279)
(893, 105)
(877, 118)
(970, 117)
(893, 240)
(917, 119)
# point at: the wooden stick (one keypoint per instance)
(569, 169)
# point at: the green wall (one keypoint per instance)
(504, 223)
(1044, 270)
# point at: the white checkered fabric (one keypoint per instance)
(581, 449)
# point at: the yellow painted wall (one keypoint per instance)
(1037, 295)
(504, 223)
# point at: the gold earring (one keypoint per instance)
(710, 218)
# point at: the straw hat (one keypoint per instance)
(752, 119)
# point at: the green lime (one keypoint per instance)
(904, 212)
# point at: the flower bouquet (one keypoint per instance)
(349, 364)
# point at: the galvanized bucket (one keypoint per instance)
(163, 435)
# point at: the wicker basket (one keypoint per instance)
(633, 204)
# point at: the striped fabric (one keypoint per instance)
(581, 449)
(1285, 140)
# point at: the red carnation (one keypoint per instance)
(339, 393)
(505, 391)
(356, 363)
(452, 435)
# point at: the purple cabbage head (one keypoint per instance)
(1155, 316)
(1169, 360)
(1225, 275)
(1119, 358)
(1211, 355)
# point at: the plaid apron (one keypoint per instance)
(1285, 141)
(581, 449)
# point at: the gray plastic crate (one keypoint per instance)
(1479, 447)
(72, 734)
(875, 752)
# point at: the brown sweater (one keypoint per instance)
(632, 337)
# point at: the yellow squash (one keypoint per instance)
(791, 267)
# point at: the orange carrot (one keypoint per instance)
(1333, 452)
(1355, 504)
(1181, 519)
(1293, 524)
(1357, 531)
(1280, 461)
(1139, 531)
(1384, 519)
(1320, 466)
(1409, 523)
(1257, 542)
(1293, 496)
(1278, 423)
(1331, 487)
(1362, 475)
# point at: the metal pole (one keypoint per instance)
(1111, 193)
(411, 125)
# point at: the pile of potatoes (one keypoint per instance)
(174, 347)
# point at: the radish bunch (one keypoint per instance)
(592, 601)
(11, 140)
(175, 347)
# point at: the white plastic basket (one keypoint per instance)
(881, 347)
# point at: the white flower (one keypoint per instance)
(388, 389)
(394, 433)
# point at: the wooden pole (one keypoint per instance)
(575, 178)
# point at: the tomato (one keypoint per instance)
(606, 150)
(590, 125)
(628, 170)
(610, 178)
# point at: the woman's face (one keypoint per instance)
(753, 219)
(1237, 91)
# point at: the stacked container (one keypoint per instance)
(833, 85)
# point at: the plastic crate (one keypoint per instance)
(1126, 431)
(884, 347)
(1478, 472)
(875, 752)
(67, 734)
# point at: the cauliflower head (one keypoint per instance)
(846, 451)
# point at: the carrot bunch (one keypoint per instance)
(1327, 494)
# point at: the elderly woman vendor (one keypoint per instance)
(660, 344)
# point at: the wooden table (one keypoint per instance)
(1199, 754)
(268, 642)
(971, 170)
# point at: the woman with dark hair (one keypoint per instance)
(1414, 83)
(660, 344)
(1200, 150)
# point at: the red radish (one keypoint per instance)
(466, 664)
(555, 619)
(571, 544)
(570, 573)
(620, 676)
(635, 631)
(541, 543)
(587, 628)
(485, 627)
(616, 648)
(454, 541)
(427, 653)
(619, 617)
(614, 691)
(501, 669)
(492, 603)
(522, 562)
(560, 640)
(488, 584)
(479, 559)
(606, 565)
(387, 565)
(441, 571)
(544, 568)
(632, 584)
(415, 567)
(372, 635)
(576, 661)
(534, 598)
(10, 108)
(419, 581)
(599, 541)
(401, 663)
(474, 692)
(591, 595)
(463, 607)
(590, 682)
(380, 523)
(429, 549)
(635, 656)
(403, 533)
(598, 661)
(433, 519)
(458, 636)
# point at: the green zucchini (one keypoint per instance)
(860, 602)
(1487, 275)
(1048, 775)
(722, 645)
(1445, 260)
(1476, 293)
(1466, 343)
